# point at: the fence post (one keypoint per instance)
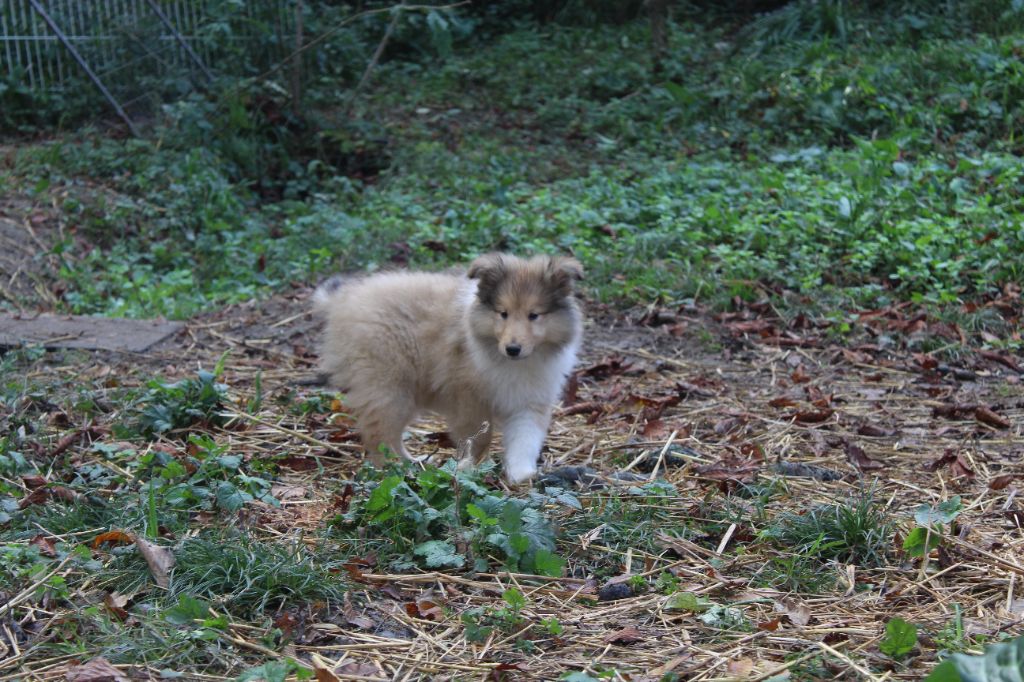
(85, 66)
(180, 38)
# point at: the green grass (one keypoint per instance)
(854, 531)
(816, 151)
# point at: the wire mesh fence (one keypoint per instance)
(143, 51)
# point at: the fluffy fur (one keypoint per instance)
(492, 345)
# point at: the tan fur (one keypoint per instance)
(406, 342)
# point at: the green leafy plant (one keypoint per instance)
(1000, 662)
(210, 476)
(181, 404)
(927, 535)
(447, 518)
(900, 638)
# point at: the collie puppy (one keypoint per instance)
(488, 348)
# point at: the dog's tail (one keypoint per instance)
(326, 290)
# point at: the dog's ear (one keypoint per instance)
(490, 271)
(564, 272)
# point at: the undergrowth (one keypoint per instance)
(815, 150)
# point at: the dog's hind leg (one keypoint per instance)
(383, 426)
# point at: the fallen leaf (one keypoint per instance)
(97, 670)
(741, 667)
(361, 621)
(426, 606)
(298, 463)
(116, 603)
(56, 492)
(287, 623)
(46, 546)
(1001, 359)
(730, 469)
(873, 430)
(987, 416)
(770, 625)
(959, 467)
(799, 376)
(815, 417)
(160, 560)
(856, 456)
(724, 426)
(322, 671)
(798, 613)
(1000, 482)
(626, 635)
(33, 481)
(117, 537)
(284, 491)
(356, 670)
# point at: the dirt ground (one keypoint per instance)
(745, 398)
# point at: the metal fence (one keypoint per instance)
(140, 51)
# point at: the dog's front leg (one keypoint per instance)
(524, 435)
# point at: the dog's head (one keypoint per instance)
(522, 305)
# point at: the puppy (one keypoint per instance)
(491, 346)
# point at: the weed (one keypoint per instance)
(168, 406)
(853, 531)
(247, 577)
(443, 517)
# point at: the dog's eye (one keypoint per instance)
(532, 316)
(504, 315)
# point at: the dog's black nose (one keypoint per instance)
(513, 349)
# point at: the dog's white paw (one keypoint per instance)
(517, 471)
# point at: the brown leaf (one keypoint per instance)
(56, 492)
(426, 606)
(117, 537)
(298, 463)
(47, 546)
(287, 623)
(782, 401)
(770, 625)
(961, 468)
(284, 491)
(741, 667)
(1000, 482)
(97, 670)
(956, 411)
(724, 426)
(116, 604)
(322, 672)
(799, 376)
(730, 469)
(1001, 359)
(815, 417)
(874, 430)
(361, 621)
(655, 429)
(33, 481)
(356, 670)
(947, 457)
(857, 457)
(160, 560)
(987, 416)
(626, 635)
(798, 613)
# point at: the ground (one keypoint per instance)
(725, 404)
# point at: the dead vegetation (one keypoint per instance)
(796, 465)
